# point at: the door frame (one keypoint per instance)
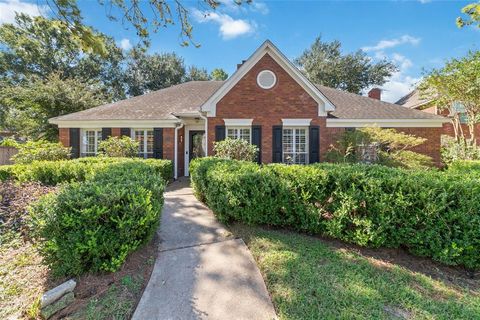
(188, 128)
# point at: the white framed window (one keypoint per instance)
(244, 133)
(144, 137)
(295, 145)
(90, 140)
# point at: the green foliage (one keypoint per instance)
(56, 172)
(237, 149)
(453, 150)
(431, 213)
(30, 104)
(9, 142)
(472, 11)
(95, 224)
(196, 74)
(391, 148)
(324, 63)
(218, 74)
(40, 151)
(124, 147)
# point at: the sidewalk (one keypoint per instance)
(201, 272)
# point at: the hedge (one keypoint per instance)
(93, 225)
(430, 213)
(465, 166)
(55, 172)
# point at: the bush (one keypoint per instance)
(430, 213)
(55, 172)
(453, 150)
(95, 224)
(40, 151)
(235, 149)
(124, 147)
(9, 142)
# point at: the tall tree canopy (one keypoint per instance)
(148, 72)
(218, 74)
(472, 11)
(323, 63)
(29, 105)
(456, 84)
(197, 74)
(35, 47)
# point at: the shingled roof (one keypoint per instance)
(412, 100)
(188, 97)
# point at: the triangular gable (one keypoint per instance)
(324, 105)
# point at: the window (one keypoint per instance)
(295, 145)
(90, 140)
(145, 142)
(266, 79)
(239, 133)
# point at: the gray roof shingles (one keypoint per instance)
(189, 97)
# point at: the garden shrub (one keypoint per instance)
(453, 150)
(40, 150)
(430, 213)
(55, 172)
(93, 225)
(124, 147)
(236, 149)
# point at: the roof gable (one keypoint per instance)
(324, 104)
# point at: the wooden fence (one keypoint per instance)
(6, 153)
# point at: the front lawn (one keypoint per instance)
(311, 278)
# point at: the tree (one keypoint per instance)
(472, 11)
(323, 63)
(148, 72)
(144, 16)
(36, 47)
(456, 85)
(29, 105)
(218, 74)
(196, 74)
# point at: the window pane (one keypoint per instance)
(150, 141)
(295, 146)
(232, 133)
(245, 134)
(140, 138)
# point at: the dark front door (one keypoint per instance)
(197, 144)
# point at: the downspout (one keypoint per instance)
(175, 148)
(206, 131)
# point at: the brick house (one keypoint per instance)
(267, 101)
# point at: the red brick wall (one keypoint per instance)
(168, 143)
(64, 136)
(116, 132)
(247, 100)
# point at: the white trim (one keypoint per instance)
(274, 79)
(175, 152)
(395, 123)
(83, 145)
(237, 135)
(145, 140)
(296, 122)
(137, 124)
(324, 104)
(294, 144)
(238, 122)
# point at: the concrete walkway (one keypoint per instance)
(202, 271)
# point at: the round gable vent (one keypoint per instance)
(266, 79)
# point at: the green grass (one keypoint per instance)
(308, 279)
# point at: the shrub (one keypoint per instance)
(40, 150)
(9, 142)
(431, 213)
(55, 172)
(95, 224)
(236, 149)
(124, 147)
(453, 150)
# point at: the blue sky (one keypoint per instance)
(416, 35)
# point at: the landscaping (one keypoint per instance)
(430, 213)
(82, 218)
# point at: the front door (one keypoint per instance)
(196, 144)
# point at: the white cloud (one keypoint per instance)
(398, 86)
(125, 44)
(229, 27)
(9, 7)
(260, 7)
(402, 61)
(391, 43)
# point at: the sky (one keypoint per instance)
(417, 35)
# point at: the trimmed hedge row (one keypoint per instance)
(93, 225)
(465, 167)
(55, 172)
(430, 213)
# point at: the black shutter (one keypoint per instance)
(106, 132)
(158, 143)
(219, 133)
(75, 142)
(125, 132)
(314, 146)
(277, 144)
(257, 140)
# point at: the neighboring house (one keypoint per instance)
(414, 101)
(267, 101)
